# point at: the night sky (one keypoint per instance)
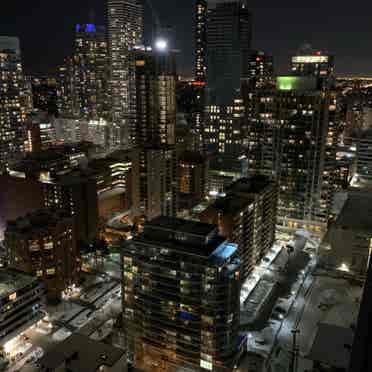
(45, 28)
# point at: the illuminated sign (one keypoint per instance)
(90, 27)
(140, 62)
(296, 83)
(310, 59)
(286, 82)
(198, 83)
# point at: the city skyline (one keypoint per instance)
(335, 30)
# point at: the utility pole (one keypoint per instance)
(293, 367)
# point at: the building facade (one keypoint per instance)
(22, 297)
(12, 111)
(44, 244)
(124, 32)
(246, 215)
(177, 276)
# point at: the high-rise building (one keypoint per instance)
(125, 31)
(259, 71)
(193, 179)
(158, 185)
(303, 114)
(201, 13)
(246, 215)
(44, 244)
(91, 72)
(41, 133)
(65, 91)
(308, 62)
(229, 35)
(12, 113)
(181, 290)
(155, 88)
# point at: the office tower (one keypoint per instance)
(40, 130)
(259, 72)
(246, 215)
(125, 31)
(44, 94)
(193, 179)
(114, 177)
(44, 244)
(158, 185)
(155, 87)
(65, 89)
(200, 71)
(258, 93)
(320, 64)
(153, 131)
(76, 194)
(12, 113)
(303, 114)
(308, 62)
(228, 44)
(90, 72)
(201, 13)
(260, 140)
(223, 129)
(229, 35)
(181, 297)
(22, 300)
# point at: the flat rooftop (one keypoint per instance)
(250, 185)
(83, 354)
(185, 236)
(39, 220)
(357, 211)
(332, 346)
(12, 281)
(231, 204)
(184, 226)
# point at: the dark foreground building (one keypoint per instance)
(181, 297)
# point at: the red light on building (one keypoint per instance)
(318, 53)
(259, 59)
(198, 83)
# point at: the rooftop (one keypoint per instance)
(251, 185)
(357, 211)
(12, 280)
(231, 204)
(332, 346)
(185, 226)
(83, 354)
(184, 236)
(39, 220)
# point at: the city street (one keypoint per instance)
(92, 313)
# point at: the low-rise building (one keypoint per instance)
(80, 353)
(44, 244)
(21, 303)
(348, 243)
